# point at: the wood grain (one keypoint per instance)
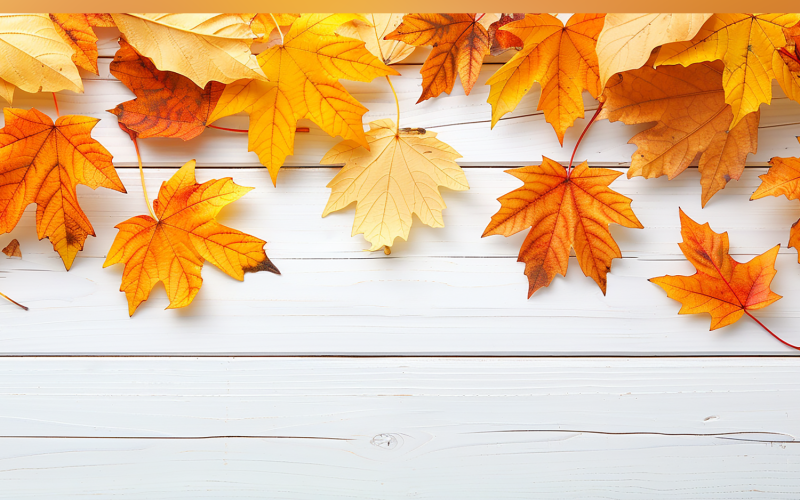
(399, 428)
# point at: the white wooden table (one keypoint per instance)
(424, 374)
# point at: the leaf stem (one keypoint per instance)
(55, 101)
(397, 105)
(244, 131)
(770, 331)
(277, 26)
(141, 175)
(571, 158)
(12, 301)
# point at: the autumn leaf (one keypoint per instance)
(627, 40)
(783, 178)
(692, 117)
(749, 46)
(459, 43)
(722, 287)
(173, 248)
(561, 58)
(12, 249)
(399, 176)
(372, 31)
(303, 83)
(201, 47)
(264, 24)
(42, 163)
(564, 210)
(502, 40)
(76, 30)
(35, 57)
(167, 104)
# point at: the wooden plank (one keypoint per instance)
(445, 291)
(390, 429)
(521, 138)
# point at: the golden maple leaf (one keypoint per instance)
(749, 47)
(692, 117)
(36, 58)
(399, 176)
(76, 30)
(721, 287)
(459, 43)
(42, 163)
(564, 210)
(373, 31)
(303, 82)
(201, 47)
(783, 178)
(561, 58)
(264, 24)
(173, 248)
(627, 40)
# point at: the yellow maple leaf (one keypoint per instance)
(173, 248)
(201, 47)
(561, 58)
(303, 82)
(399, 176)
(748, 46)
(34, 56)
(372, 33)
(628, 39)
(264, 24)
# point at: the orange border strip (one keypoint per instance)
(407, 5)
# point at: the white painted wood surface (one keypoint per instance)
(94, 404)
(299, 428)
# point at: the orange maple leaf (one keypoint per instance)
(76, 30)
(564, 210)
(173, 248)
(561, 58)
(692, 117)
(167, 104)
(459, 44)
(783, 178)
(722, 287)
(42, 163)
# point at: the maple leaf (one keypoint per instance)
(459, 43)
(201, 47)
(749, 46)
(12, 249)
(692, 117)
(35, 57)
(627, 40)
(372, 32)
(399, 176)
(783, 178)
(722, 287)
(167, 104)
(76, 30)
(264, 24)
(564, 210)
(561, 58)
(502, 40)
(173, 248)
(303, 83)
(42, 163)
